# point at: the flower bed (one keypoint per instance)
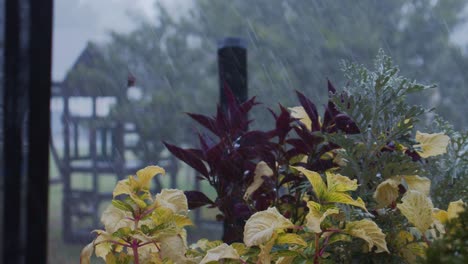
(352, 186)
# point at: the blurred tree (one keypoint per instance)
(293, 45)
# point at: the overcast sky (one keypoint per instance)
(78, 21)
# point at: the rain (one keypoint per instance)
(126, 74)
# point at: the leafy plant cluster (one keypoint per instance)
(350, 186)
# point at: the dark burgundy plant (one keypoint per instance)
(228, 157)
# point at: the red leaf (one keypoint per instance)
(189, 157)
(310, 109)
(205, 121)
(197, 199)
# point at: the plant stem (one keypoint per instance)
(317, 249)
(135, 252)
(426, 240)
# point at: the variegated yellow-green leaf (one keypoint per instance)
(412, 251)
(386, 192)
(173, 199)
(147, 253)
(223, 251)
(132, 185)
(86, 253)
(162, 215)
(454, 209)
(340, 183)
(299, 113)
(285, 260)
(261, 226)
(440, 215)
(145, 175)
(344, 198)
(290, 238)
(315, 180)
(264, 257)
(336, 190)
(206, 244)
(240, 248)
(173, 248)
(417, 208)
(369, 232)
(182, 221)
(122, 187)
(103, 246)
(431, 144)
(262, 169)
(114, 219)
(416, 183)
(316, 216)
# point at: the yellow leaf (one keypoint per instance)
(102, 245)
(114, 219)
(182, 221)
(369, 232)
(386, 192)
(344, 198)
(173, 199)
(223, 251)
(290, 238)
(173, 248)
(299, 113)
(205, 244)
(403, 238)
(162, 215)
(420, 184)
(86, 253)
(262, 169)
(240, 248)
(431, 144)
(285, 260)
(264, 257)
(145, 175)
(122, 187)
(340, 183)
(140, 183)
(440, 215)
(315, 180)
(454, 209)
(316, 216)
(417, 208)
(147, 253)
(412, 251)
(261, 226)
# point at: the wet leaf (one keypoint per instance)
(417, 208)
(223, 251)
(261, 226)
(369, 232)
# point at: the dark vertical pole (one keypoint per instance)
(232, 65)
(93, 155)
(76, 137)
(13, 129)
(40, 52)
(66, 201)
(26, 125)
